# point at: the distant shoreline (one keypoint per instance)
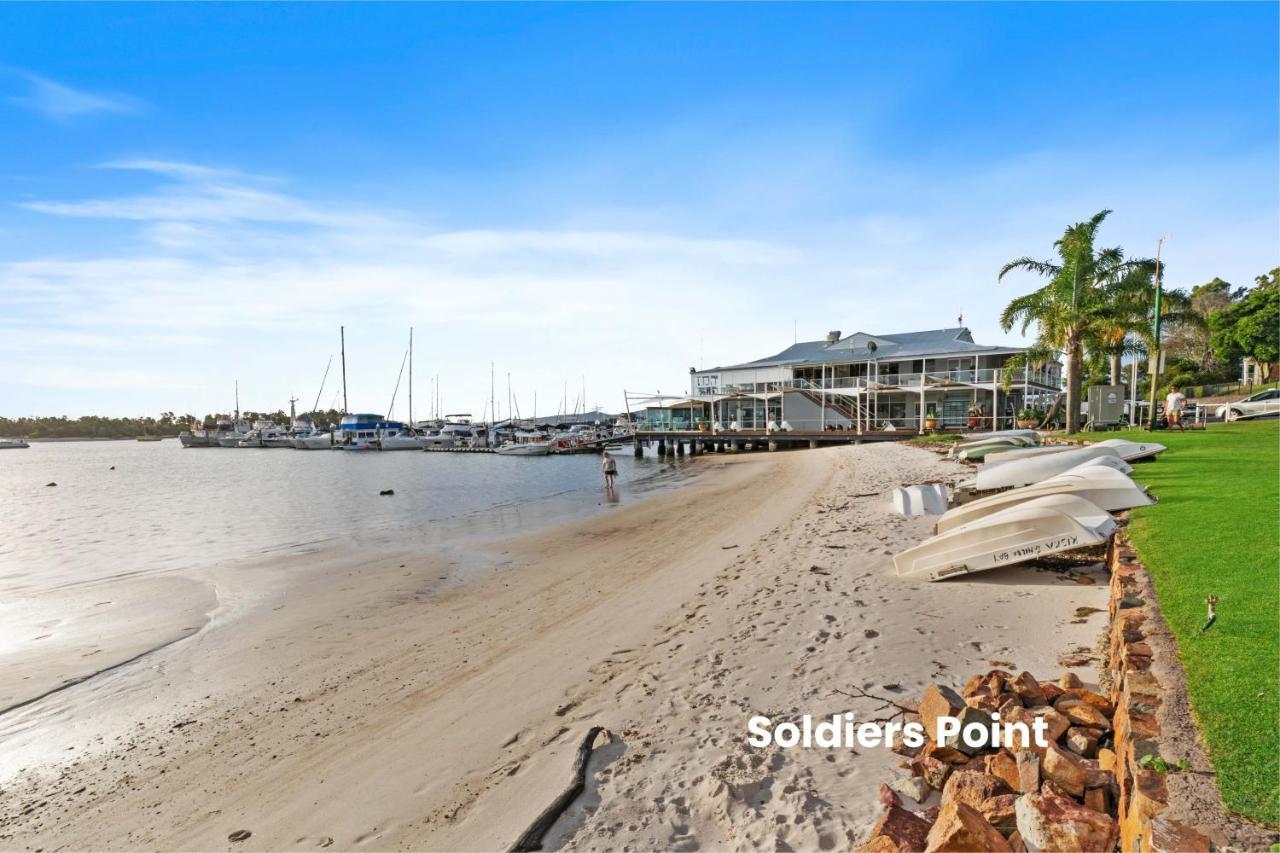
(81, 438)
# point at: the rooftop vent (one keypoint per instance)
(832, 337)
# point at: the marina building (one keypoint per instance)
(861, 383)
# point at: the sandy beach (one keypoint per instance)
(400, 703)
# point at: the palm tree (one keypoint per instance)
(1078, 307)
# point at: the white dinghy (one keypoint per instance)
(995, 441)
(1030, 434)
(1035, 528)
(1031, 452)
(922, 499)
(1131, 451)
(1101, 486)
(1024, 472)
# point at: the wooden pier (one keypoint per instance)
(696, 443)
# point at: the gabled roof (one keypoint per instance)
(855, 348)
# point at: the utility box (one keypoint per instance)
(1106, 405)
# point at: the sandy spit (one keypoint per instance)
(383, 709)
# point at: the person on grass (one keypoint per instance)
(1174, 403)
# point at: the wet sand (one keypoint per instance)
(398, 703)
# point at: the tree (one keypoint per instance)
(1250, 327)
(1077, 308)
(1190, 337)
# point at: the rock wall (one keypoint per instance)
(1136, 696)
(1100, 785)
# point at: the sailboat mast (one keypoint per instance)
(509, 409)
(411, 377)
(342, 331)
(237, 399)
(493, 415)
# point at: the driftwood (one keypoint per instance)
(531, 839)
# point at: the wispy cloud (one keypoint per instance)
(62, 103)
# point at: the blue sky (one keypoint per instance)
(191, 194)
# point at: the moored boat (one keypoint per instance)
(524, 448)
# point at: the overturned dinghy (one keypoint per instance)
(975, 449)
(1104, 487)
(983, 452)
(1024, 472)
(1030, 434)
(1031, 452)
(1032, 529)
(923, 499)
(1131, 451)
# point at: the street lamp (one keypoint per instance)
(1155, 324)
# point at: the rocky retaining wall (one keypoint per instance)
(1136, 694)
(1099, 785)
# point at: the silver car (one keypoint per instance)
(1262, 404)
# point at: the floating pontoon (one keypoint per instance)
(1104, 487)
(1036, 528)
(1024, 472)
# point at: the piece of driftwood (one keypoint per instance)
(531, 839)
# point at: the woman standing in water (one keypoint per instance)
(610, 469)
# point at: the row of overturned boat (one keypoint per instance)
(1027, 501)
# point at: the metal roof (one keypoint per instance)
(853, 347)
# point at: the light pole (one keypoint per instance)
(1155, 327)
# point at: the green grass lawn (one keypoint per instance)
(1216, 531)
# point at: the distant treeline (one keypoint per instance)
(168, 423)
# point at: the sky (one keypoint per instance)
(584, 196)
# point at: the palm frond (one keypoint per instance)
(1048, 269)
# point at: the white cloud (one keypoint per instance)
(62, 103)
(230, 275)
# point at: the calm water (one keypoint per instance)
(164, 507)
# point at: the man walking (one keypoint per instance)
(1173, 406)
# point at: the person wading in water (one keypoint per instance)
(610, 469)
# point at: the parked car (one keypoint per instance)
(1260, 405)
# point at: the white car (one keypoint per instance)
(1262, 404)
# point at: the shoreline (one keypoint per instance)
(378, 704)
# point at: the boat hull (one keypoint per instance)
(523, 449)
(1132, 451)
(1103, 487)
(1031, 530)
(1024, 472)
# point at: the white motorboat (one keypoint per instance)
(1024, 472)
(402, 439)
(313, 441)
(1104, 487)
(265, 434)
(524, 448)
(373, 432)
(1036, 528)
(13, 443)
(448, 434)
